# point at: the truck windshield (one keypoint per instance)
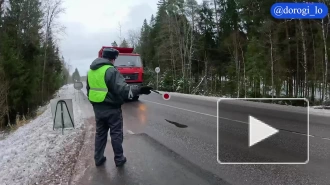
(132, 61)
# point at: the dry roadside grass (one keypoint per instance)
(21, 121)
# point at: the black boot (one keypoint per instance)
(101, 162)
(121, 163)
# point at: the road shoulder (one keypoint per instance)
(149, 162)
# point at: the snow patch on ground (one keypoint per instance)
(84, 90)
(321, 107)
(316, 110)
(3, 134)
(35, 153)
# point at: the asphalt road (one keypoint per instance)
(182, 132)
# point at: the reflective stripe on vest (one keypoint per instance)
(98, 87)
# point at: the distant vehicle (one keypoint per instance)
(129, 64)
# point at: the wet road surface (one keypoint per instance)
(149, 163)
(159, 132)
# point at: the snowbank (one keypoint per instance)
(35, 153)
(312, 110)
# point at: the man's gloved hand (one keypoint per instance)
(145, 90)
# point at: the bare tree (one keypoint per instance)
(181, 30)
(52, 11)
(302, 29)
(133, 37)
(244, 69)
(324, 38)
(233, 47)
(191, 11)
(171, 50)
(272, 59)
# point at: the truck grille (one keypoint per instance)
(131, 76)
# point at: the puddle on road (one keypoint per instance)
(177, 124)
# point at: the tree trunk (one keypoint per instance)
(206, 74)
(237, 63)
(272, 61)
(314, 64)
(172, 52)
(325, 81)
(192, 28)
(290, 75)
(305, 56)
(297, 81)
(244, 71)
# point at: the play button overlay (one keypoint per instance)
(262, 131)
(259, 131)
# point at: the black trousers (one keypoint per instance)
(108, 119)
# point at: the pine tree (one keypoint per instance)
(114, 44)
(124, 44)
(22, 49)
(76, 76)
(239, 47)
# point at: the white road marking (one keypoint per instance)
(180, 108)
(130, 132)
(221, 117)
(297, 133)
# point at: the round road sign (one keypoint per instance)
(166, 96)
(78, 85)
(157, 69)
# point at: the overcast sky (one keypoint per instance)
(93, 24)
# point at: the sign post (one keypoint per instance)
(157, 70)
(62, 113)
(78, 86)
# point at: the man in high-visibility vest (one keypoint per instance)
(107, 90)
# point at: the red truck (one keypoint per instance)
(129, 64)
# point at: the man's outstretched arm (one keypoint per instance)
(118, 85)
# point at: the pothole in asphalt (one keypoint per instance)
(177, 124)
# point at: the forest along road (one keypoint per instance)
(187, 127)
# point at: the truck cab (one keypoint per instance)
(129, 64)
